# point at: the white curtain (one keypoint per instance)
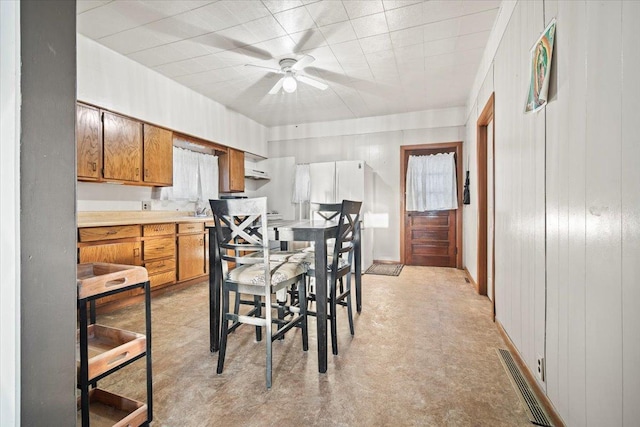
(431, 183)
(208, 171)
(195, 176)
(302, 184)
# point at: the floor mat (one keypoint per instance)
(385, 269)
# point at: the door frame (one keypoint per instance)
(485, 118)
(425, 149)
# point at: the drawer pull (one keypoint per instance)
(116, 282)
(159, 248)
(136, 252)
(110, 232)
(118, 358)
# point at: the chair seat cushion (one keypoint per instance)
(253, 274)
(308, 259)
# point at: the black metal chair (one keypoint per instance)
(243, 248)
(339, 261)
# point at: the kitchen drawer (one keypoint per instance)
(154, 267)
(158, 248)
(92, 234)
(162, 278)
(158, 229)
(191, 227)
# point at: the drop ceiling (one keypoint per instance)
(378, 57)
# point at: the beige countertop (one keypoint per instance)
(107, 218)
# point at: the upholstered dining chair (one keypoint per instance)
(243, 247)
(339, 261)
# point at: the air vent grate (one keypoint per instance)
(534, 409)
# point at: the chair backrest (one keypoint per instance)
(241, 227)
(347, 233)
(327, 211)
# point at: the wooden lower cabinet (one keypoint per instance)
(169, 257)
(191, 256)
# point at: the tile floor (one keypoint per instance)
(423, 355)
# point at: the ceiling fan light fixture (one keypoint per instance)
(289, 84)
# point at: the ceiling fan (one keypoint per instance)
(290, 69)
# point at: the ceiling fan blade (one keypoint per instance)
(276, 88)
(273, 70)
(311, 82)
(306, 60)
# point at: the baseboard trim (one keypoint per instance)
(535, 387)
(473, 282)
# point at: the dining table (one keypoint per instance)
(303, 230)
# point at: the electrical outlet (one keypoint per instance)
(146, 206)
(540, 368)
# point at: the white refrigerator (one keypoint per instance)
(332, 182)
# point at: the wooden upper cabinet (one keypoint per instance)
(122, 142)
(231, 167)
(88, 142)
(158, 155)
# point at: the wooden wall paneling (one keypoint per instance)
(603, 200)
(572, 76)
(630, 213)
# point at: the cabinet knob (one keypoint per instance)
(137, 171)
(94, 166)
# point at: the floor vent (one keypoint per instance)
(534, 409)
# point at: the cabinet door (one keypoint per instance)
(191, 256)
(116, 253)
(88, 142)
(158, 155)
(122, 147)
(231, 168)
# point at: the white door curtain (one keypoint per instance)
(431, 183)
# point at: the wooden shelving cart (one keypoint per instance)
(102, 350)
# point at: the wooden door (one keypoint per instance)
(158, 155)
(430, 238)
(88, 142)
(191, 256)
(122, 147)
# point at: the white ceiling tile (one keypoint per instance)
(295, 20)
(395, 4)
(472, 41)
(308, 40)
(114, 17)
(279, 47)
(376, 43)
(439, 10)
(442, 30)
(170, 8)
(405, 17)
(480, 5)
(206, 77)
(276, 6)
(245, 10)
(213, 17)
(347, 49)
(164, 54)
(410, 52)
(358, 8)
(338, 33)
(326, 13)
(137, 39)
(439, 47)
(407, 37)
(482, 21)
(240, 34)
(85, 5)
(371, 25)
(180, 68)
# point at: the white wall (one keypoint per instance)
(114, 82)
(362, 140)
(568, 205)
(9, 213)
